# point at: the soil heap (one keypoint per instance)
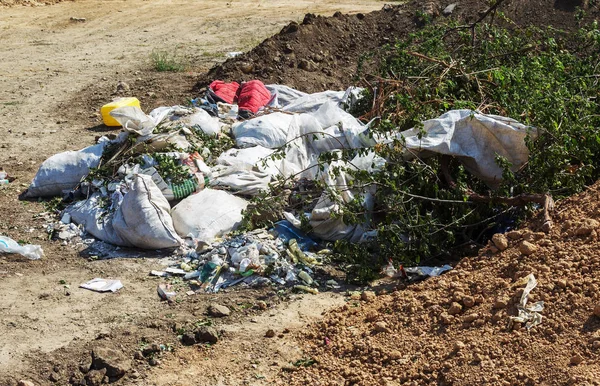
(335, 52)
(456, 329)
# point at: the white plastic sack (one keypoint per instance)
(143, 219)
(312, 102)
(474, 139)
(240, 181)
(245, 159)
(97, 220)
(63, 171)
(269, 131)
(208, 214)
(283, 95)
(32, 252)
(134, 120)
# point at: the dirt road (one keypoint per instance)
(54, 75)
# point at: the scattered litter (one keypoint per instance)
(102, 285)
(416, 273)
(166, 291)
(159, 273)
(78, 19)
(175, 271)
(8, 245)
(4, 179)
(530, 315)
(233, 54)
(304, 288)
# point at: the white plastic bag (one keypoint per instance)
(8, 245)
(143, 219)
(240, 181)
(269, 131)
(97, 220)
(208, 214)
(474, 139)
(63, 171)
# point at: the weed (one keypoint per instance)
(165, 61)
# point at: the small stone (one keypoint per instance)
(368, 296)
(246, 68)
(514, 235)
(114, 362)
(95, 377)
(576, 360)
(587, 227)
(153, 362)
(381, 327)
(500, 241)
(355, 295)
(596, 345)
(270, 333)
(138, 355)
(446, 319)
(218, 310)
(500, 303)
(26, 383)
(53, 377)
(470, 318)
(455, 308)
(527, 248)
(307, 65)
(188, 339)
(122, 87)
(261, 305)
(562, 283)
(449, 9)
(597, 310)
(468, 301)
(458, 345)
(206, 334)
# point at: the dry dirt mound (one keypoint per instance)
(325, 52)
(455, 329)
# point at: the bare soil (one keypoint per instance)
(424, 341)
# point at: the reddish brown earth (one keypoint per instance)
(455, 329)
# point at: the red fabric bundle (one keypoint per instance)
(253, 96)
(226, 91)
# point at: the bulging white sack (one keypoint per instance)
(97, 220)
(63, 171)
(269, 131)
(208, 214)
(143, 219)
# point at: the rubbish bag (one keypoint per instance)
(143, 219)
(240, 181)
(474, 139)
(97, 219)
(270, 131)
(253, 96)
(8, 245)
(63, 171)
(225, 92)
(208, 214)
(283, 95)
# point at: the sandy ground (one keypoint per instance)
(51, 68)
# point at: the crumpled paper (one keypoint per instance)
(530, 315)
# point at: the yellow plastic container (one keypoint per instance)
(121, 102)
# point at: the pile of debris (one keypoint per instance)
(173, 179)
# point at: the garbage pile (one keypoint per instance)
(181, 176)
